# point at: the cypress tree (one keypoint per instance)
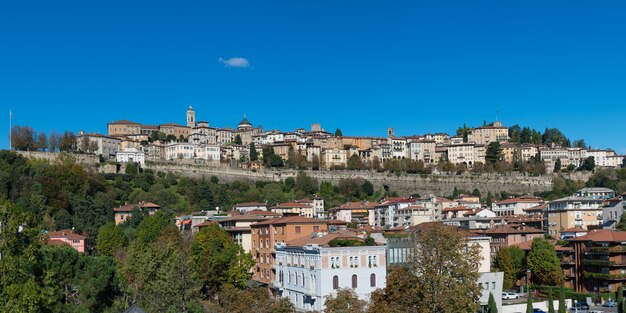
(492, 307)
(529, 302)
(550, 303)
(562, 301)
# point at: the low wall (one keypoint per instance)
(521, 308)
(404, 184)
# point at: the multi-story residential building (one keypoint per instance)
(414, 215)
(455, 212)
(267, 233)
(155, 150)
(571, 212)
(310, 269)
(104, 145)
(385, 213)
(250, 206)
(600, 261)
(361, 213)
(179, 150)
(148, 130)
(462, 154)
(516, 206)
(123, 127)
(238, 227)
(511, 234)
(612, 211)
(131, 155)
(334, 158)
(550, 155)
(69, 238)
(224, 135)
(124, 212)
(528, 151)
(207, 152)
(317, 203)
(399, 148)
(175, 130)
(298, 208)
(596, 193)
(485, 134)
(439, 138)
(423, 150)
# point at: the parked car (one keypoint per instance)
(610, 304)
(581, 305)
(538, 311)
(508, 295)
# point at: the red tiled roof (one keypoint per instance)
(261, 212)
(457, 208)
(205, 224)
(602, 235)
(288, 205)
(65, 233)
(355, 205)
(337, 222)
(508, 229)
(574, 229)
(140, 205)
(520, 200)
(249, 204)
(289, 220)
(322, 240)
(56, 242)
(124, 122)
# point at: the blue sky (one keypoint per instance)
(361, 66)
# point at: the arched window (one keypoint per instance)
(335, 282)
(354, 281)
(373, 280)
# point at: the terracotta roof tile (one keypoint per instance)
(602, 235)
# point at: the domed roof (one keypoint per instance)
(244, 122)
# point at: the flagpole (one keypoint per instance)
(10, 128)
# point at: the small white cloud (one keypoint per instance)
(235, 62)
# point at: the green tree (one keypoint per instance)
(489, 199)
(589, 164)
(492, 306)
(619, 298)
(441, 277)
(367, 188)
(305, 183)
(562, 307)
(504, 263)
(550, 303)
(493, 153)
(354, 162)
(237, 140)
(151, 227)
(22, 286)
(338, 133)
(544, 263)
(529, 302)
(233, 300)
(110, 239)
(219, 261)
(131, 168)
(476, 192)
(557, 166)
(158, 273)
(253, 154)
(345, 301)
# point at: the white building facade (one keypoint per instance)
(307, 274)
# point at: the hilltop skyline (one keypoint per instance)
(361, 68)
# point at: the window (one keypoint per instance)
(354, 281)
(373, 280)
(335, 282)
(302, 279)
(316, 229)
(298, 229)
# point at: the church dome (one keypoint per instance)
(244, 123)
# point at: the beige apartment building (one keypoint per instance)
(485, 134)
(175, 129)
(123, 127)
(572, 212)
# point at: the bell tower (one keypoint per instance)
(191, 117)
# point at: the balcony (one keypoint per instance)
(598, 263)
(602, 276)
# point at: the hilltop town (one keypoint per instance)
(486, 148)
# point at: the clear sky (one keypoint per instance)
(362, 66)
